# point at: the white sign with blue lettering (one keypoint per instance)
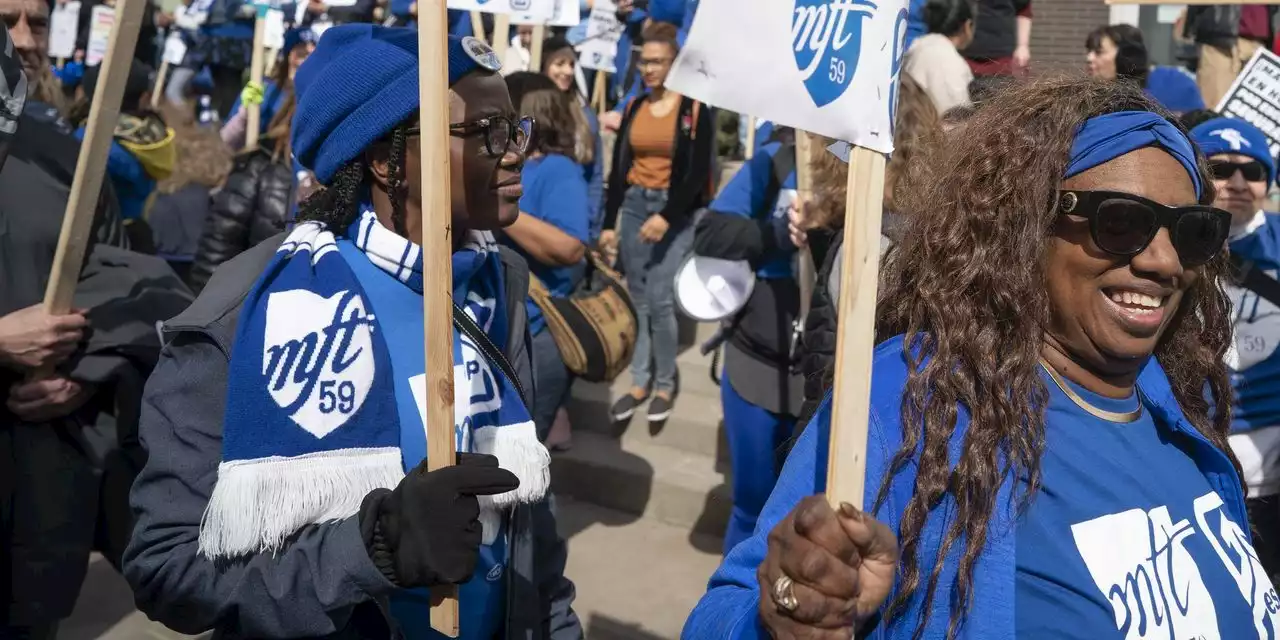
(826, 66)
(541, 10)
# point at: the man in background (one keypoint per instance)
(1227, 36)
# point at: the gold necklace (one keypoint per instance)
(1109, 416)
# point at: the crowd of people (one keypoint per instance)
(1073, 431)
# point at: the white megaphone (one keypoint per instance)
(712, 289)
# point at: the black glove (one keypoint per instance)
(426, 532)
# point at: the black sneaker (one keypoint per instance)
(625, 407)
(660, 408)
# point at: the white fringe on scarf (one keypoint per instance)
(258, 504)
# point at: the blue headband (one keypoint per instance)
(1107, 137)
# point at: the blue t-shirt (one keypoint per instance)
(482, 601)
(555, 192)
(1253, 358)
(1126, 538)
(744, 196)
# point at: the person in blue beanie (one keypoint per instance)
(286, 494)
(1049, 406)
(761, 389)
(1244, 171)
(1118, 52)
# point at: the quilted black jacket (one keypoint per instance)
(249, 209)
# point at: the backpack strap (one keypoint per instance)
(1250, 277)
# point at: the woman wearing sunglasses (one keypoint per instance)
(1041, 436)
(286, 495)
(1243, 171)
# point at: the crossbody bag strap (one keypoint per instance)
(491, 351)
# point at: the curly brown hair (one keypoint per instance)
(965, 285)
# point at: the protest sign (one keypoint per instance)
(537, 10)
(795, 63)
(101, 19)
(604, 31)
(829, 67)
(175, 49)
(273, 37)
(64, 25)
(1255, 96)
(564, 13)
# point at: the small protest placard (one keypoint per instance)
(175, 49)
(826, 66)
(273, 36)
(100, 22)
(564, 14)
(537, 10)
(604, 31)
(1255, 96)
(64, 24)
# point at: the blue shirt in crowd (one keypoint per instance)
(555, 192)
(482, 600)
(1254, 361)
(129, 179)
(1174, 88)
(272, 100)
(745, 196)
(1125, 534)
(593, 173)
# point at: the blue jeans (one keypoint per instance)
(755, 436)
(551, 380)
(651, 274)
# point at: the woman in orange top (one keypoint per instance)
(661, 176)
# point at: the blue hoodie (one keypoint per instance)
(730, 607)
(128, 177)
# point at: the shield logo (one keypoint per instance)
(826, 36)
(317, 357)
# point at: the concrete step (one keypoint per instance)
(695, 426)
(676, 487)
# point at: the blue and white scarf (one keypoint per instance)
(312, 424)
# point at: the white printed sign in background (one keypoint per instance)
(565, 13)
(64, 24)
(826, 66)
(1255, 96)
(100, 22)
(604, 31)
(541, 10)
(174, 48)
(273, 34)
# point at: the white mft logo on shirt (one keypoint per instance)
(1140, 563)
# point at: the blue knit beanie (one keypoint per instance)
(359, 83)
(1230, 135)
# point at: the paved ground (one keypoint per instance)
(637, 580)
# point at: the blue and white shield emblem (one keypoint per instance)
(827, 38)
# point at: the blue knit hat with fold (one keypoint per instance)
(1230, 135)
(359, 83)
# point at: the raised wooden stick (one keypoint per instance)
(598, 98)
(158, 90)
(477, 26)
(855, 340)
(535, 47)
(255, 76)
(437, 264)
(750, 150)
(501, 35)
(104, 111)
(805, 272)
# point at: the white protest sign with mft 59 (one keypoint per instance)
(826, 66)
(1255, 96)
(542, 10)
(565, 13)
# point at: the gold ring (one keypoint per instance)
(784, 594)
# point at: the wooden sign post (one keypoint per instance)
(158, 89)
(501, 35)
(855, 340)
(477, 27)
(104, 111)
(750, 150)
(535, 47)
(599, 100)
(254, 111)
(437, 265)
